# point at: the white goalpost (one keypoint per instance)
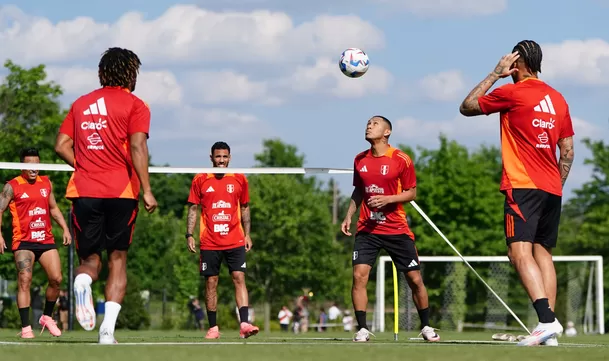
(463, 302)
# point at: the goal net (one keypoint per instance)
(459, 301)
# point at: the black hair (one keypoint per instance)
(220, 145)
(119, 67)
(28, 152)
(530, 53)
(385, 120)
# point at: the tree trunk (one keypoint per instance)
(267, 317)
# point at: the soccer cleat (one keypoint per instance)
(429, 334)
(552, 341)
(49, 323)
(106, 338)
(542, 333)
(247, 330)
(26, 332)
(85, 311)
(213, 333)
(363, 335)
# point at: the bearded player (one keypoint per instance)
(534, 120)
(384, 178)
(224, 234)
(32, 204)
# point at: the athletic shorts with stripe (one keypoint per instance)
(400, 247)
(532, 215)
(103, 224)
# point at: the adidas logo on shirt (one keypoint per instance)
(209, 190)
(97, 108)
(363, 169)
(545, 106)
(24, 196)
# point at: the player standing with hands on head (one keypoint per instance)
(224, 234)
(384, 178)
(534, 119)
(32, 205)
(104, 137)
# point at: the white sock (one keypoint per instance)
(112, 311)
(83, 279)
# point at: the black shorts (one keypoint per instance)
(103, 224)
(36, 248)
(532, 215)
(211, 260)
(400, 247)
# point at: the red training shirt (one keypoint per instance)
(388, 174)
(100, 123)
(534, 116)
(221, 200)
(30, 211)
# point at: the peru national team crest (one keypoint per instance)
(384, 169)
(230, 188)
(44, 192)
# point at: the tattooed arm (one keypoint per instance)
(191, 222)
(5, 199)
(246, 220)
(470, 105)
(567, 155)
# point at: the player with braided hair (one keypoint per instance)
(104, 137)
(535, 119)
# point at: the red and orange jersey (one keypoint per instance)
(388, 174)
(101, 123)
(220, 199)
(534, 116)
(30, 211)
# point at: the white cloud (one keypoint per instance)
(191, 123)
(186, 33)
(445, 86)
(469, 131)
(155, 87)
(578, 61)
(324, 77)
(229, 87)
(429, 8)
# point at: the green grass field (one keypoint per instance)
(335, 346)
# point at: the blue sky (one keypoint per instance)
(247, 70)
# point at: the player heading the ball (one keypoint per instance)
(224, 234)
(384, 179)
(534, 119)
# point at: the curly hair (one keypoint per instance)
(119, 67)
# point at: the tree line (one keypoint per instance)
(297, 247)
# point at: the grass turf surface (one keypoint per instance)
(335, 346)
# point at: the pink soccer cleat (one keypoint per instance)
(49, 323)
(247, 330)
(213, 333)
(429, 334)
(26, 332)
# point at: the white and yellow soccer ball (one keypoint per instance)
(353, 62)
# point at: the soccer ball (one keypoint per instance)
(353, 62)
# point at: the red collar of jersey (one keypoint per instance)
(388, 153)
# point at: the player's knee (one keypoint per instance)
(55, 281)
(415, 281)
(25, 281)
(211, 282)
(360, 278)
(238, 278)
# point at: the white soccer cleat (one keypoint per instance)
(85, 310)
(552, 341)
(106, 338)
(542, 333)
(363, 335)
(429, 334)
